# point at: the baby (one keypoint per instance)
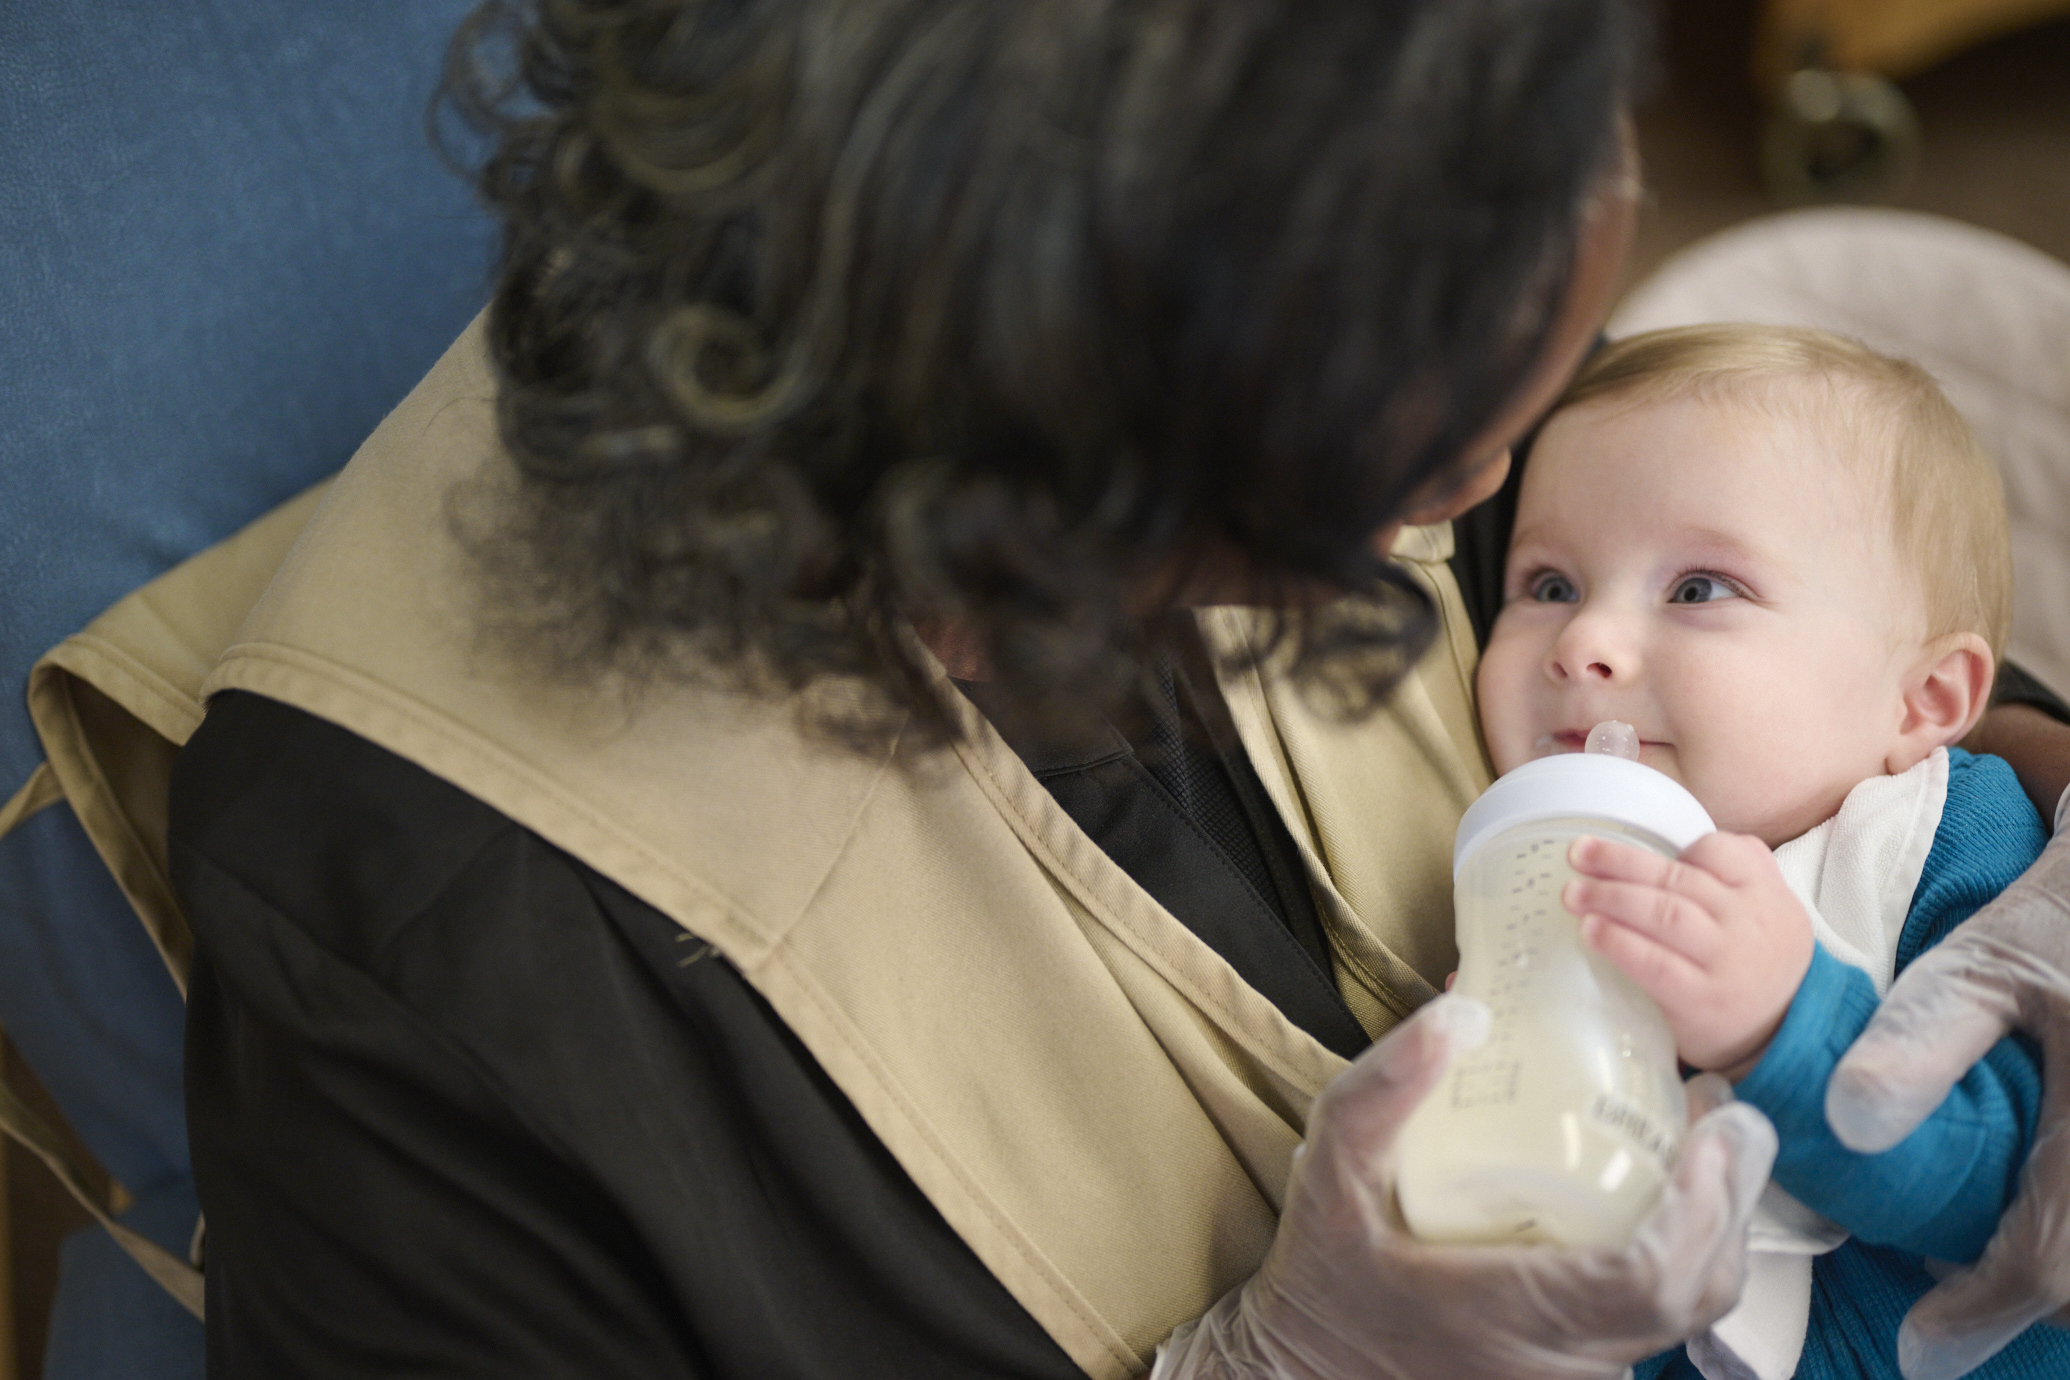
(1784, 560)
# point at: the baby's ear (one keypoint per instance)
(1946, 692)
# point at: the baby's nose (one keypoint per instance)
(1588, 652)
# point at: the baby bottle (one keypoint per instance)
(1564, 1125)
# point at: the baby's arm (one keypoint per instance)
(1713, 938)
(1940, 1190)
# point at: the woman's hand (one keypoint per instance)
(2007, 967)
(1346, 1292)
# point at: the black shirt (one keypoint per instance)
(461, 1106)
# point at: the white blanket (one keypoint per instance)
(1855, 874)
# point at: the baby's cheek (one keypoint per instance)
(1710, 777)
(1718, 789)
(1507, 737)
(1746, 793)
(1504, 703)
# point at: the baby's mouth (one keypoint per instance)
(1576, 740)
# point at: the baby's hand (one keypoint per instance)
(1716, 937)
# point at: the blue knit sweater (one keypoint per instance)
(1940, 1191)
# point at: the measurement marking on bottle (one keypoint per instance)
(1485, 1083)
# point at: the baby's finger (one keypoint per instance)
(1735, 860)
(1664, 917)
(1668, 977)
(1610, 861)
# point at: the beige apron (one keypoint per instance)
(1093, 1099)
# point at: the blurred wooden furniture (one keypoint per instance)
(1891, 38)
(1839, 128)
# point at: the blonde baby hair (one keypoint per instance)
(1942, 495)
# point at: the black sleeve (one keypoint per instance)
(460, 1106)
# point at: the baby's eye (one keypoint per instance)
(1701, 589)
(1551, 588)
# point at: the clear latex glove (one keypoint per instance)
(1346, 1292)
(2006, 967)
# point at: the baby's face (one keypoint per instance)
(1705, 573)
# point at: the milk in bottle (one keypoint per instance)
(1564, 1125)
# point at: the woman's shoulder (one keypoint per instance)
(347, 895)
(348, 841)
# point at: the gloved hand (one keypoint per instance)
(1345, 1291)
(2006, 967)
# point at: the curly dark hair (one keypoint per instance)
(820, 318)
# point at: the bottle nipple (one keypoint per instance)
(1613, 739)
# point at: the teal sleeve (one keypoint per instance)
(1939, 1191)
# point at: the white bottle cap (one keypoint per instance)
(1589, 784)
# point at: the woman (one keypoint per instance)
(624, 950)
